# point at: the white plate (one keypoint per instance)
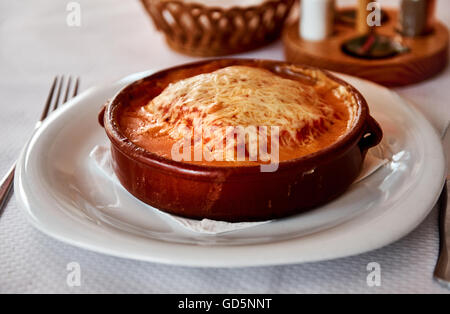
(66, 197)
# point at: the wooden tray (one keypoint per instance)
(428, 55)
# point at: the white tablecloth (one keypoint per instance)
(116, 38)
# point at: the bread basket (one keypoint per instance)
(199, 30)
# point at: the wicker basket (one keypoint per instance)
(198, 30)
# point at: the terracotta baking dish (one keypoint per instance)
(234, 193)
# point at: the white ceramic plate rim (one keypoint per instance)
(362, 233)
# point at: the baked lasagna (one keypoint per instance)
(238, 109)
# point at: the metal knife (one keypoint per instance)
(442, 270)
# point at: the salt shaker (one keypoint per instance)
(316, 19)
(416, 17)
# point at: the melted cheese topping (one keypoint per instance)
(242, 96)
(238, 96)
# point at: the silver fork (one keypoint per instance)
(51, 104)
(442, 269)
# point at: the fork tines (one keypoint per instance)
(71, 90)
(7, 182)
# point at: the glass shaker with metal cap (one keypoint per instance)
(416, 17)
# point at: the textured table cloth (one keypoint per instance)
(116, 38)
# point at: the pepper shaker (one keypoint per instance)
(416, 17)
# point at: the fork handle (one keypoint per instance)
(5, 187)
(442, 270)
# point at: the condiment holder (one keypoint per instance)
(420, 44)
